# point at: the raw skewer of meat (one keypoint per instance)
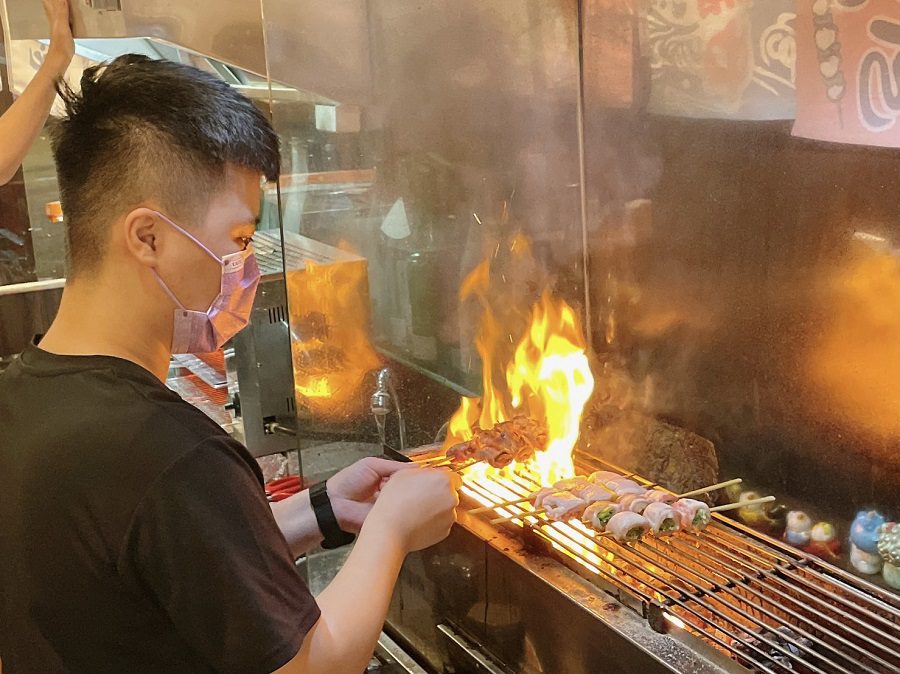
(571, 483)
(604, 476)
(663, 518)
(660, 496)
(575, 485)
(593, 492)
(597, 514)
(563, 505)
(623, 485)
(694, 514)
(537, 498)
(634, 502)
(508, 441)
(627, 526)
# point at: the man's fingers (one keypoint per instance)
(455, 481)
(385, 467)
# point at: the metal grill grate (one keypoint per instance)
(768, 606)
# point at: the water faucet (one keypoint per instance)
(383, 400)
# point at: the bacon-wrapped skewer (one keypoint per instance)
(660, 496)
(624, 486)
(537, 498)
(572, 483)
(594, 492)
(626, 526)
(604, 476)
(663, 518)
(634, 502)
(597, 514)
(514, 440)
(563, 505)
(694, 514)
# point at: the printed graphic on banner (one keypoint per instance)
(608, 44)
(733, 59)
(849, 65)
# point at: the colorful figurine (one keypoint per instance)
(889, 549)
(864, 554)
(766, 517)
(868, 563)
(823, 541)
(777, 513)
(799, 528)
(864, 530)
(753, 515)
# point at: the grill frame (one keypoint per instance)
(654, 578)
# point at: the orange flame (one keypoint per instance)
(330, 346)
(547, 377)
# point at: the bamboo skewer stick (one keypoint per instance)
(741, 504)
(525, 499)
(503, 504)
(434, 461)
(498, 520)
(712, 487)
(460, 468)
(696, 492)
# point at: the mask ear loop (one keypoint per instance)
(168, 292)
(190, 236)
(195, 240)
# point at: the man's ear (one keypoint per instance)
(141, 229)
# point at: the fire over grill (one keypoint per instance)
(767, 606)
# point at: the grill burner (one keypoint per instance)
(765, 605)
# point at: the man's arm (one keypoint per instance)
(352, 492)
(295, 518)
(25, 118)
(414, 510)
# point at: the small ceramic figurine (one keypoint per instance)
(865, 562)
(864, 542)
(766, 517)
(889, 549)
(823, 541)
(798, 530)
(864, 530)
(753, 515)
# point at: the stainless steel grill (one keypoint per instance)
(769, 607)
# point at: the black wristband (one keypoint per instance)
(335, 537)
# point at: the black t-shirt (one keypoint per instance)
(134, 533)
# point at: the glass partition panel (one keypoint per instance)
(432, 137)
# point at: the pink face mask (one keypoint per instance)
(202, 332)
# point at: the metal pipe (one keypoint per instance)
(383, 400)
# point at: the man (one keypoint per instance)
(134, 533)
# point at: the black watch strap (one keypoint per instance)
(335, 537)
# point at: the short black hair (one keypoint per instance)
(142, 128)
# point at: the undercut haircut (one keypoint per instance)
(144, 129)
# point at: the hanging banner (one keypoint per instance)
(607, 31)
(731, 59)
(849, 65)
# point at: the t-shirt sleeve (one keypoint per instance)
(203, 542)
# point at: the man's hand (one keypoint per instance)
(62, 46)
(416, 508)
(353, 490)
